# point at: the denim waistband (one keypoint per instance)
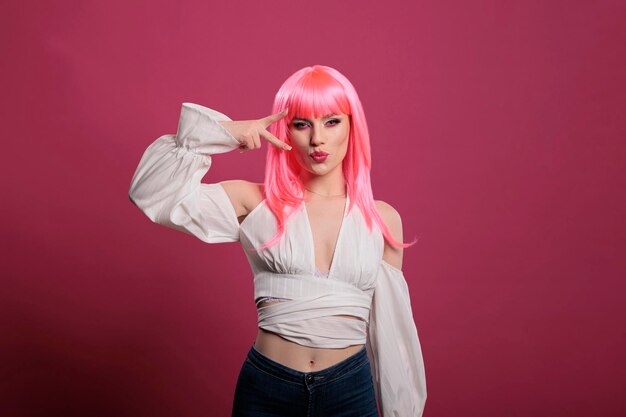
(346, 366)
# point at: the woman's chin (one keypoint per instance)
(320, 169)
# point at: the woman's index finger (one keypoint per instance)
(274, 140)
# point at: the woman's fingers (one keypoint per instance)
(257, 140)
(247, 143)
(268, 120)
(274, 140)
(252, 131)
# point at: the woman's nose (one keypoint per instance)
(317, 136)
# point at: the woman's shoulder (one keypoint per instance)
(392, 255)
(390, 215)
(244, 195)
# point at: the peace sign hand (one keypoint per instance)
(249, 132)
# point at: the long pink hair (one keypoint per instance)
(310, 93)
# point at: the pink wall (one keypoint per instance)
(503, 122)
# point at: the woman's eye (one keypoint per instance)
(302, 125)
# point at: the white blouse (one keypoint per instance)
(167, 187)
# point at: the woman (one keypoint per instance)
(336, 333)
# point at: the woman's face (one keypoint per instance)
(328, 134)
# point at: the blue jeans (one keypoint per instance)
(267, 388)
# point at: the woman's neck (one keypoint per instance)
(331, 184)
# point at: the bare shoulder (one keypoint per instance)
(244, 195)
(392, 218)
(392, 254)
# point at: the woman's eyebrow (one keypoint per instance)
(323, 117)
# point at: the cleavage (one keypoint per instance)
(325, 221)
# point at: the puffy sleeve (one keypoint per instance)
(167, 187)
(393, 347)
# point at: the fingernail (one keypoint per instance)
(288, 147)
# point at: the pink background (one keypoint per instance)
(498, 133)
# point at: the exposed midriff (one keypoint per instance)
(299, 357)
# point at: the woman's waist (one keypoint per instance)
(299, 357)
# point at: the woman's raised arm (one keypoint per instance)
(167, 185)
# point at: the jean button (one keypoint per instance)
(309, 378)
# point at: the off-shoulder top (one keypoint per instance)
(167, 188)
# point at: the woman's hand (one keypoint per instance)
(249, 132)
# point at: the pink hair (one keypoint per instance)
(310, 93)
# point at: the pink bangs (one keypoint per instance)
(316, 94)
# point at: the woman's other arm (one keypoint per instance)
(393, 344)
